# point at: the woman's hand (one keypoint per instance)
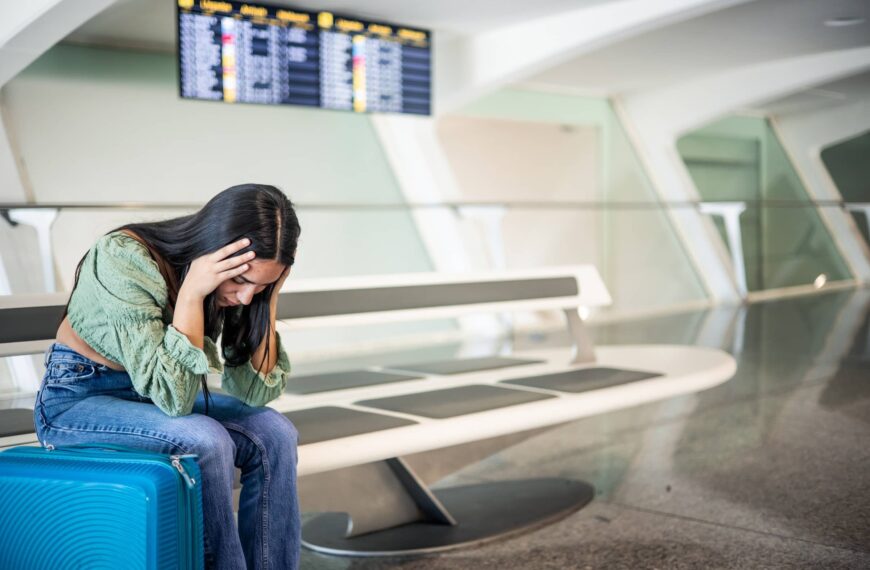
(210, 270)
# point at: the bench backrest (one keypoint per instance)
(28, 322)
(351, 300)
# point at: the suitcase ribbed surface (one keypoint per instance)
(94, 510)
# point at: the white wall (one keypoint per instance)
(97, 126)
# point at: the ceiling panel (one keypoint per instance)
(754, 32)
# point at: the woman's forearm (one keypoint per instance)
(188, 318)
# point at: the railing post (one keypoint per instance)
(730, 213)
(41, 220)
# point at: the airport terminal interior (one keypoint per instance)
(580, 283)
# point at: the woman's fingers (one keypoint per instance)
(207, 272)
(230, 249)
(235, 261)
(230, 273)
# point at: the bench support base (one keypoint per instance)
(482, 512)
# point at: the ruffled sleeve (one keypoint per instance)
(255, 388)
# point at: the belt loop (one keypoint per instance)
(47, 355)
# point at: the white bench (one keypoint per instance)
(369, 450)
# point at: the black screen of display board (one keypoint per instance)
(255, 53)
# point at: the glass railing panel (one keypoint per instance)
(791, 246)
(782, 244)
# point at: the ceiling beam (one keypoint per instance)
(31, 27)
(681, 107)
(469, 67)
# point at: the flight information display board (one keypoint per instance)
(254, 53)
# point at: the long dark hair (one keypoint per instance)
(259, 212)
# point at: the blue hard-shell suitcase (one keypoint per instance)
(94, 507)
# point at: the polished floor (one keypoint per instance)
(768, 470)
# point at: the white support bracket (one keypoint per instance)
(730, 213)
(40, 219)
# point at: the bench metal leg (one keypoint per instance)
(422, 495)
(584, 348)
(393, 512)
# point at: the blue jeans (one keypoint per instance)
(81, 401)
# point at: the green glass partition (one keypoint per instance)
(784, 240)
(848, 163)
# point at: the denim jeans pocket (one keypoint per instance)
(68, 372)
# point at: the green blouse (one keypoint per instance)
(120, 308)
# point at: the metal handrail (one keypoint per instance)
(517, 204)
(41, 217)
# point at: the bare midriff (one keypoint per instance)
(66, 335)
